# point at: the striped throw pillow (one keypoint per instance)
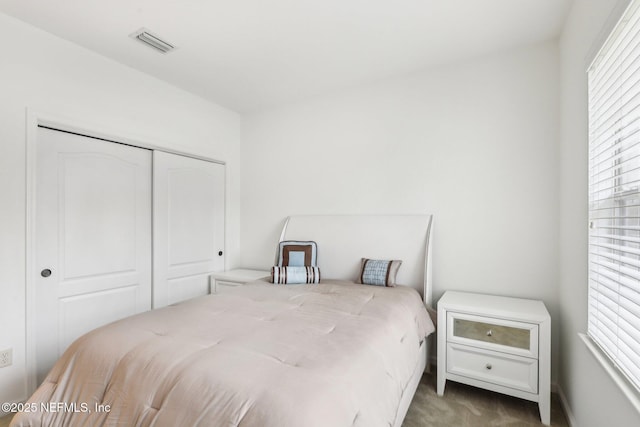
(295, 275)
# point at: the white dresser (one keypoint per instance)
(496, 343)
(229, 279)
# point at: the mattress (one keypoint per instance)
(333, 354)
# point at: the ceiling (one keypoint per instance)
(253, 54)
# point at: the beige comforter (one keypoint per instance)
(262, 356)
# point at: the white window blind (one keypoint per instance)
(614, 196)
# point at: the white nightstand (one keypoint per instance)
(496, 343)
(225, 280)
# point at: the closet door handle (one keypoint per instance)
(45, 273)
(220, 253)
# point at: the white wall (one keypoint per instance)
(474, 143)
(39, 71)
(590, 393)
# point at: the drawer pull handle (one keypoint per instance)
(488, 366)
(489, 333)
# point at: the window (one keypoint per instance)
(614, 196)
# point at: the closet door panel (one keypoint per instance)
(92, 238)
(188, 214)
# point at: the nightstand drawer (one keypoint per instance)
(493, 334)
(517, 372)
(222, 286)
(225, 280)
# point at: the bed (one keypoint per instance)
(332, 354)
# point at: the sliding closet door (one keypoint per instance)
(93, 238)
(188, 223)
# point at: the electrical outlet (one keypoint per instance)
(6, 357)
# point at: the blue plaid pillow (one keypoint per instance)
(379, 272)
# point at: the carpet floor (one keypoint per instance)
(465, 406)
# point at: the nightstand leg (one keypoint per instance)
(441, 381)
(544, 373)
(545, 410)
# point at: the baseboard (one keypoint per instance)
(565, 407)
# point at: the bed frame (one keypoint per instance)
(344, 239)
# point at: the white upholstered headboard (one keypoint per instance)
(344, 239)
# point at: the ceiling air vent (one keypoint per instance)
(143, 35)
